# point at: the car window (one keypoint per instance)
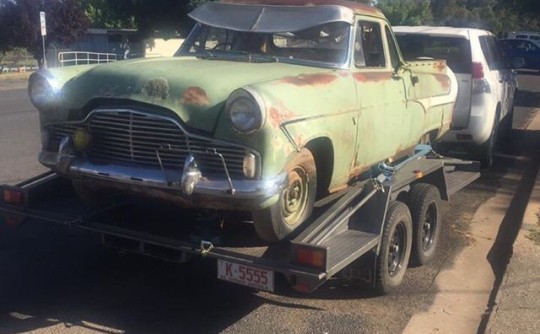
(455, 50)
(491, 52)
(521, 45)
(327, 43)
(394, 55)
(536, 38)
(368, 48)
(531, 46)
(521, 36)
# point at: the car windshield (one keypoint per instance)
(324, 45)
(455, 50)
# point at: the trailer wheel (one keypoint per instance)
(395, 249)
(424, 203)
(295, 201)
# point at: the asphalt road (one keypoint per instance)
(56, 280)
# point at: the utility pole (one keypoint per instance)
(43, 24)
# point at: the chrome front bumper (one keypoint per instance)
(189, 185)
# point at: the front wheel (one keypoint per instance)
(295, 202)
(395, 249)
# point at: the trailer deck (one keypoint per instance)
(342, 228)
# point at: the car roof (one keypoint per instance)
(357, 8)
(521, 40)
(525, 33)
(443, 31)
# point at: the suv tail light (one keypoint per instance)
(479, 83)
(477, 71)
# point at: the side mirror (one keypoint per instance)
(517, 62)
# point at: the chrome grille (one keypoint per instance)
(135, 138)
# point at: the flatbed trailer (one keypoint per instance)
(366, 231)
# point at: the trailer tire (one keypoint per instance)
(295, 202)
(424, 203)
(395, 248)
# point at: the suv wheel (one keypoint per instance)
(488, 148)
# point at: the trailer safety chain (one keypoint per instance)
(206, 247)
(379, 181)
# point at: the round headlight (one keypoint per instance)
(41, 92)
(244, 110)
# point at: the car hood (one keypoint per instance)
(194, 89)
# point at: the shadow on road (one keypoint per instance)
(51, 276)
(527, 99)
(501, 252)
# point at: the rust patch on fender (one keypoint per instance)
(319, 79)
(372, 76)
(359, 8)
(277, 116)
(440, 66)
(195, 96)
(444, 80)
(157, 88)
(300, 140)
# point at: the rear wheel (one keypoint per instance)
(295, 202)
(424, 203)
(487, 150)
(505, 132)
(395, 249)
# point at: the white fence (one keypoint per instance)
(70, 58)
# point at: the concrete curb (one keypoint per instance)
(510, 290)
(511, 297)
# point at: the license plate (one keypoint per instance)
(246, 275)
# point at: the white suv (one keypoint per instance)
(486, 84)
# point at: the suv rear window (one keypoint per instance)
(455, 50)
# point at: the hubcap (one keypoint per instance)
(395, 251)
(429, 226)
(294, 199)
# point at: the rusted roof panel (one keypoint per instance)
(358, 8)
(269, 18)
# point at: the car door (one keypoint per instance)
(384, 126)
(499, 78)
(532, 52)
(456, 50)
(509, 74)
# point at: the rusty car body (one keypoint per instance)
(266, 105)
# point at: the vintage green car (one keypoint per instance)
(267, 105)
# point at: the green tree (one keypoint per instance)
(110, 14)
(498, 16)
(407, 12)
(19, 24)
